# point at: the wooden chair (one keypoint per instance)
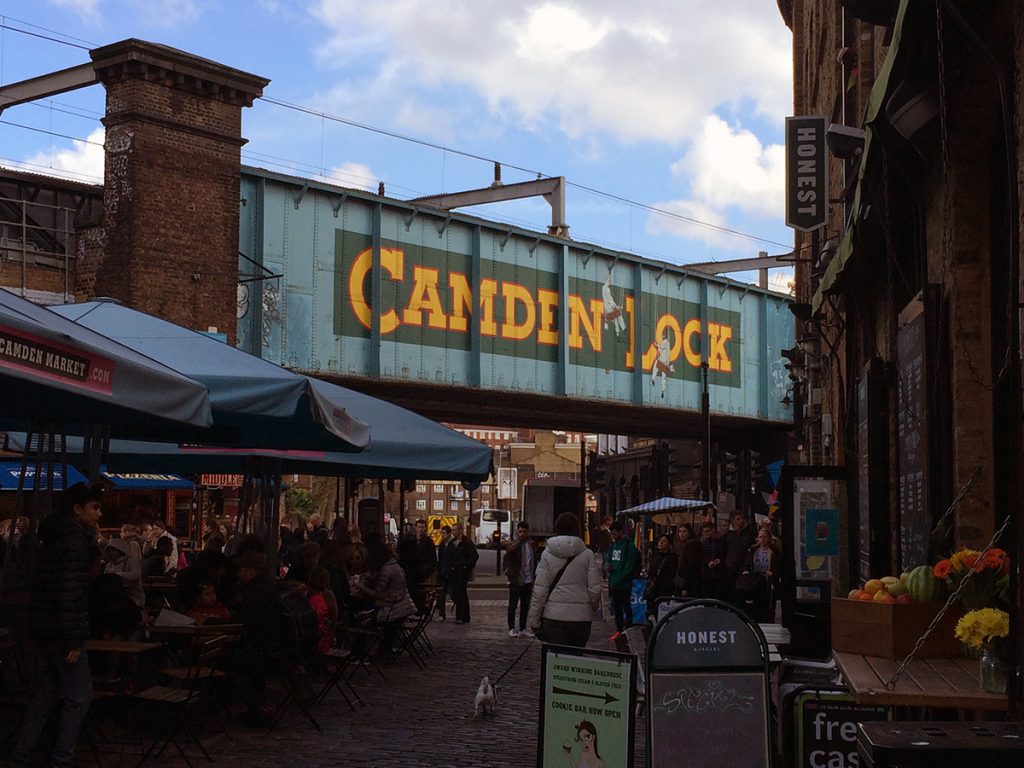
(412, 637)
(179, 706)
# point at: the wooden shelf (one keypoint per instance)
(947, 683)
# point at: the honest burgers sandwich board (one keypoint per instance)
(707, 689)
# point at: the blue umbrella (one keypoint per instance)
(265, 404)
(54, 370)
(404, 444)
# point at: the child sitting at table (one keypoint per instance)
(322, 600)
(207, 606)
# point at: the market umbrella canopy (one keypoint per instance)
(405, 446)
(55, 370)
(269, 406)
(668, 510)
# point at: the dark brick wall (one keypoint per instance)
(169, 244)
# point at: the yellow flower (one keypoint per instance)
(963, 560)
(982, 626)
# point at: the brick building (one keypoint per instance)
(908, 357)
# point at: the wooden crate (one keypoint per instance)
(891, 631)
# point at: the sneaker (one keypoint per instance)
(513, 632)
(615, 636)
(439, 618)
(461, 621)
(526, 633)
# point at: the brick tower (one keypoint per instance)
(169, 241)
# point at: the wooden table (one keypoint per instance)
(120, 646)
(946, 683)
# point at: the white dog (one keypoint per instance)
(485, 698)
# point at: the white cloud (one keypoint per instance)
(168, 13)
(728, 171)
(730, 168)
(83, 160)
(358, 175)
(88, 10)
(635, 71)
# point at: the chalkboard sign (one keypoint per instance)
(709, 720)
(707, 689)
(915, 519)
(863, 479)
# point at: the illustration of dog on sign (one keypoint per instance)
(662, 363)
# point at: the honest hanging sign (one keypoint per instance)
(806, 179)
(586, 708)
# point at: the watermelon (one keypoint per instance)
(923, 586)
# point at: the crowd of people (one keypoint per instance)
(730, 560)
(86, 586)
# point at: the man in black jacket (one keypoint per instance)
(426, 552)
(520, 568)
(60, 618)
(445, 551)
(464, 557)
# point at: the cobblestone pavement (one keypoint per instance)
(416, 717)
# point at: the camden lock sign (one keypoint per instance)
(707, 689)
(806, 180)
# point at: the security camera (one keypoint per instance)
(844, 141)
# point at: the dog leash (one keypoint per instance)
(513, 664)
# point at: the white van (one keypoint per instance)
(485, 523)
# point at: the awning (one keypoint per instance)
(146, 481)
(876, 102)
(55, 370)
(262, 403)
(11, 470)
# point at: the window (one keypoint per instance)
(421, 504)
(438, 488)
(455, 506)
(485, 490)
(439, 505)
(421, 488)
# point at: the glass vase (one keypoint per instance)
(992, 671)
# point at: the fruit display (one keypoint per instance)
(918, 585)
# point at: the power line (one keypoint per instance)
(533, 172)
(52, 133)
(429, 144)
(4, 25)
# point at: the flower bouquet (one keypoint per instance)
(983, 627)
(986, 587)
(983, 630)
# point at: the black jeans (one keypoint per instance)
(622, 605)
(55, 679)
(521, 594)
(458, 586)
(442, 598)
(574, 633)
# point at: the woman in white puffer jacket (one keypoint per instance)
(562, 615)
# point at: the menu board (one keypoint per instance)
(708, 720)
(915, 520)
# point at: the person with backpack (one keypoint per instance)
(623, 558)
(463, 561)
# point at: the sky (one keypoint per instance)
(665, 116)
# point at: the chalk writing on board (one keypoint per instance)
(712, 695)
